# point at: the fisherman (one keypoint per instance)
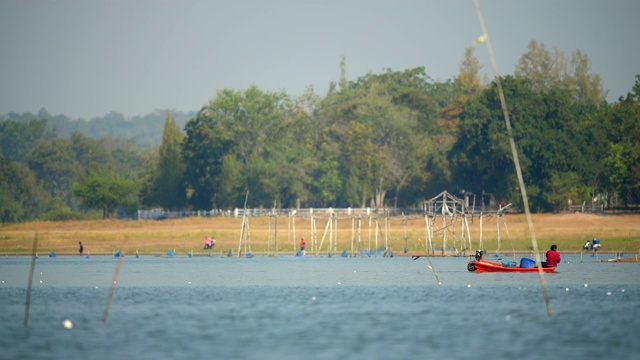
(81, 248)
(553, 257)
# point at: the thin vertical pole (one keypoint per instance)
(27, 303)
(516, 161)
(113, 288)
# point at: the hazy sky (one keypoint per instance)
(87, 58)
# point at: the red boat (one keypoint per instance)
(490, 266)
(480, 265)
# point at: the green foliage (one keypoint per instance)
(66, 214)
(251, 135)
(621, 173)
(21, 197)
(206, 144)
(566, 187)
(104, 189)
(170, 192)
(558, 139)
(387, 139)
(548, 69)
(18, 138)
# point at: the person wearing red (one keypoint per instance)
(302, 245)
(553, 257)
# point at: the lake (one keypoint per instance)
(288, 307)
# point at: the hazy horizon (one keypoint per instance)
(85, 59)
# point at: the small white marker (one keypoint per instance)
(469, 285)
(313, 298)
(67, 324)
(586, 285)
(567, 289)
(608, 292)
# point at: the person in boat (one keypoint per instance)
(553, 257)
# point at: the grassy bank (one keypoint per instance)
(568, 231)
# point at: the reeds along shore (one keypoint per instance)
(618, 233)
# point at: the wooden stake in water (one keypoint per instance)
(113, 289)
(27, 304)
(516, 161)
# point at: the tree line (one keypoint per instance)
(390, 139)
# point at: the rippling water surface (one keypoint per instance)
(315, 308)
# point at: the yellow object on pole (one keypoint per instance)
(482, 38)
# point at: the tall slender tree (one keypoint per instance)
(169, 184)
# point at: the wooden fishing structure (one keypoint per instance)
(448, 210)
(445, 213)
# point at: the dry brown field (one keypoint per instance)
(568, 231)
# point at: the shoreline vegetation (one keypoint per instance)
(281, 235)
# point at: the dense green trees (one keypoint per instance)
(244, 141)
(105, 189)
(167, 187)
(621, 170)
(21, 197)
(38, 181)
(387, 139)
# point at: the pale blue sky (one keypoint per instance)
(87, 58)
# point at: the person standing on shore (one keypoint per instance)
(81, 248)
(302, 246)
(553, 257)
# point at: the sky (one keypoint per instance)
(86, 58)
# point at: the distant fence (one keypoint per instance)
(160, 214)
(585, 208)
(308, 212)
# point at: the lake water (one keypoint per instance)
(286, 307)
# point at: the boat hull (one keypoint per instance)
(490, 266)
